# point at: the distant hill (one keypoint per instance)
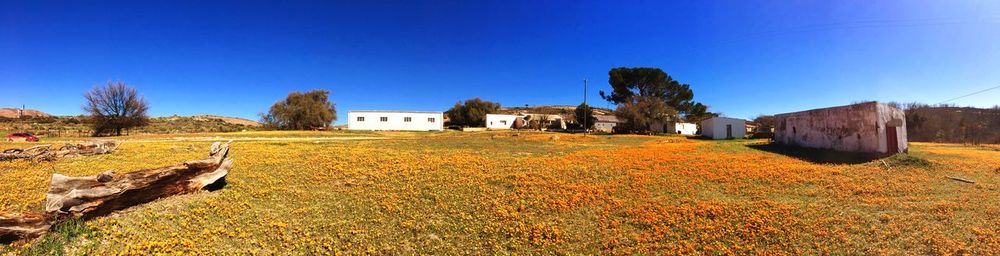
(16, 113)
(231, 120)
(952, 124)
(77, 125)
(551, 110)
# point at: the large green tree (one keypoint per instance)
(584, 115)
(301, 111)
(472, 113)
(630, 86)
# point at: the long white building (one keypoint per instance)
(387, 120)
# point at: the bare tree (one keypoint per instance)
(114, 107)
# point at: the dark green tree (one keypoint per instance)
(584, 115)
(472, 113)
(301, 111)
(628, 84)
(634, 88)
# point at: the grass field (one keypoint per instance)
(535, 193)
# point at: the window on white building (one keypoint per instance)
(384, 119)
(361, 119)
(430, 120)
(503, 122)
(407, 119)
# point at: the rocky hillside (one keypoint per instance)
(60, 126)
(16, 113)
(230, 120)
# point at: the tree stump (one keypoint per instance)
(93, 196)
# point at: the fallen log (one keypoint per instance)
(14, 227)
(46, 153)
(98, 195)
(34, 153)
(88, 148)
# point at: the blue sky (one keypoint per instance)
(742, 58)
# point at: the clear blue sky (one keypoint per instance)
(742, 58)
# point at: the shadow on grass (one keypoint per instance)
(821, 156)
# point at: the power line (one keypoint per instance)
(967, 95)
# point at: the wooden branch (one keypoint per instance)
(92, 196)
(961, 179)
(46, 153)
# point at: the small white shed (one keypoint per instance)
(505, 121)
(724, 128)
(682, 128)
(500, 121)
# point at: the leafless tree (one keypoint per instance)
(114, 107)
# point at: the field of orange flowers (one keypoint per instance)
(486, 193)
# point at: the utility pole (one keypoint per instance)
(585, 128)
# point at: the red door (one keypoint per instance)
(891, 143)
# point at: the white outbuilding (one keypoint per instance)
(501, 121)
(673, 128)
(387, 120)
(522, 121)
(682, 128)
(724, 128)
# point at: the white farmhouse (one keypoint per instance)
(724, 128)
(380, 120)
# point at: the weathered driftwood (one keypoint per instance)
(46, 153)
(17, 226)
(93, 196)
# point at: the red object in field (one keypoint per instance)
(22, 137)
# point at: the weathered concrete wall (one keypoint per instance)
(851, 128)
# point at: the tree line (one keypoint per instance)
(115, 107)
(951, 123)
(643, 96)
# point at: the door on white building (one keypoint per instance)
(729, 131)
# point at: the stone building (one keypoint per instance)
(869, 127)
(606, 123)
